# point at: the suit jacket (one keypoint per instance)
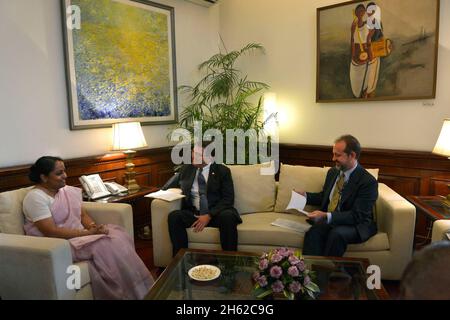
(220, 188)
(356, 204)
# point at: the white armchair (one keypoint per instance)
(440, 228)
(35, 267)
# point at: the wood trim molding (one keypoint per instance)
(110, 167)
(407, 172)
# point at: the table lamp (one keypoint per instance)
(127, 136)
(442, 147)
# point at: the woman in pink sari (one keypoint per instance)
(53, 209)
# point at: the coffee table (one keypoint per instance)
(338, 278)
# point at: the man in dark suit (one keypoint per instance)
(209, 200)
(346, 204)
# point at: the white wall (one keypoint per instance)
(34, 117)
(33, 103)
(287, 29)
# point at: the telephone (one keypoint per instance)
(95, 188)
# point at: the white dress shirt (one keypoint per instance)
(194, 190)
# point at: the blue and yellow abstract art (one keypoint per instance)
(122, 63)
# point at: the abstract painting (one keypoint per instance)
(120, 62)
(377, 50)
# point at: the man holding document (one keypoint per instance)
(208, 202)
(346, 204)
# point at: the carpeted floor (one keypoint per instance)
(144, 249)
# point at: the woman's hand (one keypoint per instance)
(103, 229)
(94, 229)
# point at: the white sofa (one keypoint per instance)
(35, 267)
(261, 200)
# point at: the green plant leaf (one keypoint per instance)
(223, 98)
(312, 287)
(262, 292)
(289, 295)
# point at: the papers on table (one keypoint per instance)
(291, 225)
(297, 202)
(166, 195)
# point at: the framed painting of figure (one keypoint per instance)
(377, 50)
(120, 62)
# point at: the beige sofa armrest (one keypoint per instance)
(440, 227)
(397, 217)
(162, 246)
(120, 214)
(34, 267)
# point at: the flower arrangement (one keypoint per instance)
(284, 271)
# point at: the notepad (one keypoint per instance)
(291, 225)
(166, 195)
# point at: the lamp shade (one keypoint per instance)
(128, 135)
(442, 146)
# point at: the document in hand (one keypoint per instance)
(166, 195)
(297, 202)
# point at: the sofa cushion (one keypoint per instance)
(253, 192)
(11, 214)
(310, 179)
(256, 229)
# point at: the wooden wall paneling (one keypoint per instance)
(403, 185)
(439, 185)
(110, 167)
(161, 173)
(407, 172)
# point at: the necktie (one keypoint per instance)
(202, 193)
(336, 193)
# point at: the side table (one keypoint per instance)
(428, 210)
(141, 209)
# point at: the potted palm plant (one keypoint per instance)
(225, 98)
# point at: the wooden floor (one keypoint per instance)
(144, 249)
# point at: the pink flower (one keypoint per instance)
(256, 276)
(284, 252)
(262, 281)
(295, 287)
(306, 281)
(277, 286)
(276, 258)
(263, 256)
(293, 271)
(276, 272)
(263, 264)
(293, 260)
(301, 266)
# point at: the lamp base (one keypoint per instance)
(130, 174)
(446, 202)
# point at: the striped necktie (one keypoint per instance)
(202, 193)
(336, 193)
